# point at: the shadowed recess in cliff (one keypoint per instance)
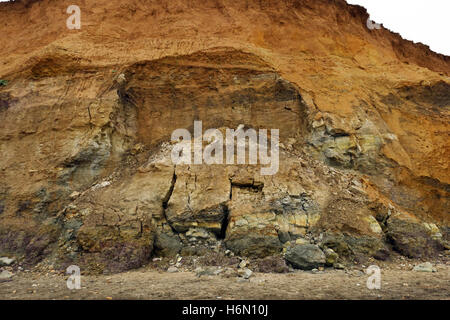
(222, 87)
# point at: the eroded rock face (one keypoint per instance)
(86, 173)
(266, 212)
(113, 225)
(199, 198)
(222, 88)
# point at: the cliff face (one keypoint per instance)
(86, 117)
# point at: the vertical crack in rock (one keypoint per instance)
(90, 116)
(226, 216)
(166, 199)
(225, 221)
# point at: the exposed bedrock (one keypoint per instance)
(87, 176)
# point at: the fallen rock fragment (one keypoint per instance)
(412, 239)
(245, 273)
(339, 266)
(5, 276)
(172, 269)
(243, 264)
(5, 261)
(305, 257)
(331, 257)
(425, 267)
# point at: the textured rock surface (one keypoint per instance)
(305, 256)
(5, 261)
(425, 267)
(5, 276)
(86, 118)
(412, 239)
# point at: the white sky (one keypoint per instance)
(425, 21)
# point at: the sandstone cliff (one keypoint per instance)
(86, 118)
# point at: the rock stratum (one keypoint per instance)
(86, 118)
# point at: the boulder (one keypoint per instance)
(425, 267)
(167, 244)
(305, 257)
(411, 239)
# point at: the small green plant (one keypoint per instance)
(3, 82)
